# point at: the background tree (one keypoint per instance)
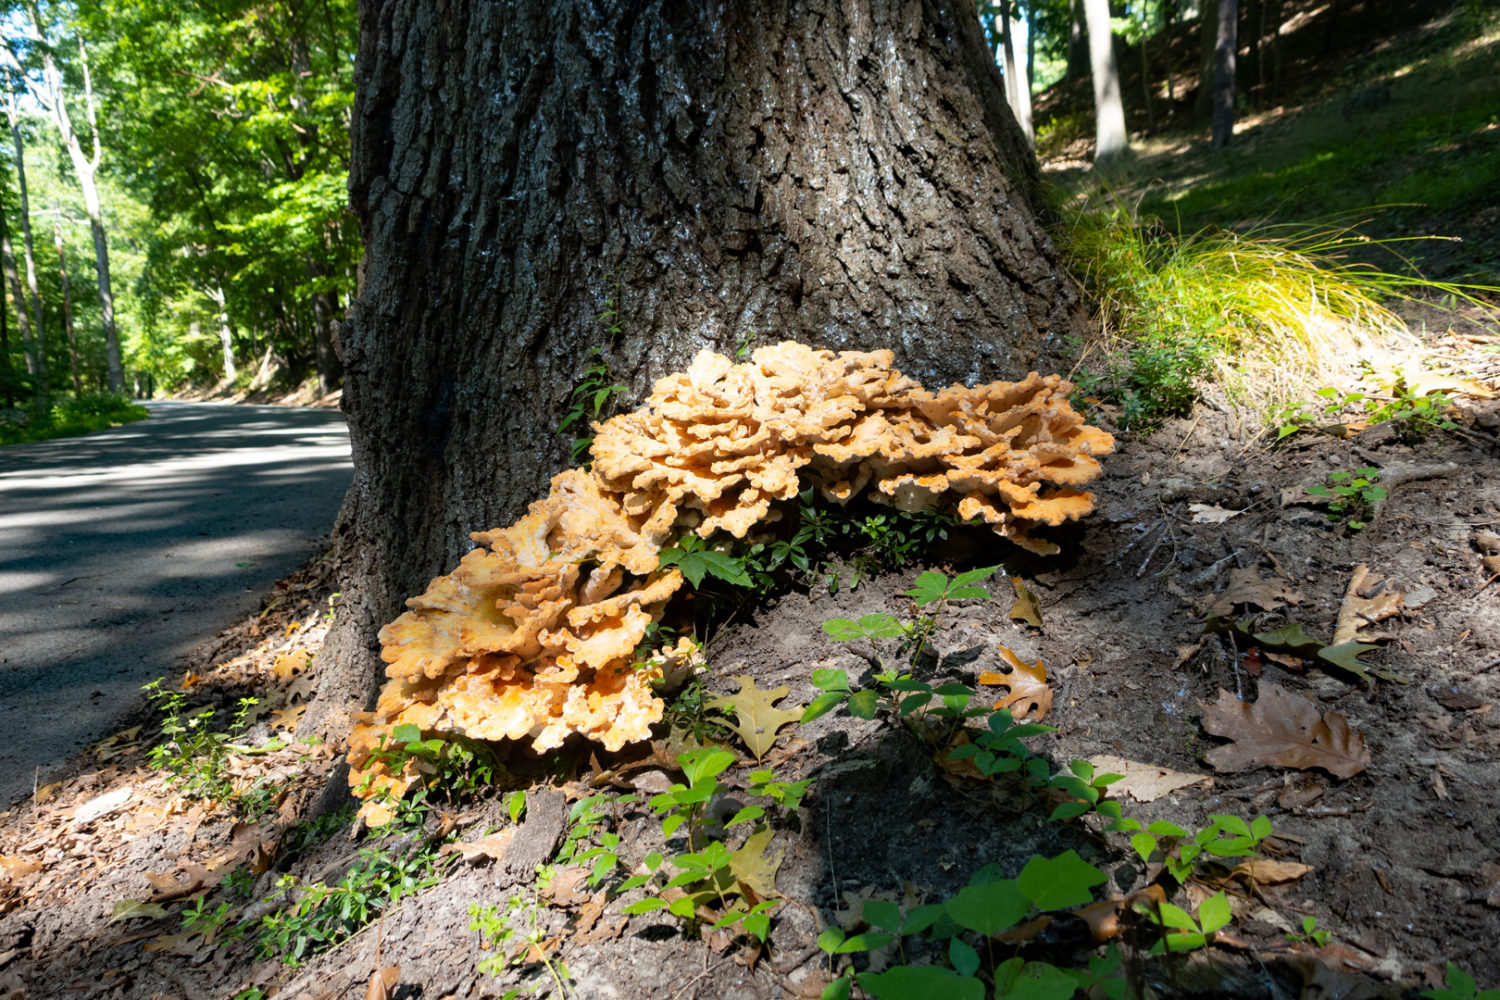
(843, 174)
(1225, 43)
(1110, 139)
(235, 117)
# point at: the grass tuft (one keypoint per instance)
(1267, 311)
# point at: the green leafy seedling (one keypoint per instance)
(1460, 986)
(1180, 931)
(1356, 494)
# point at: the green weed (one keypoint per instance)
(516, 937)
(1310, 934)
(1460, 986)
(590, 398)
(1355, 494)
(197, 757)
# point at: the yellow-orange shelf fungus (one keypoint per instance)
(533, 635)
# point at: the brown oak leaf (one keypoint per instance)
(756, 717)
(1284, 730)
(1027, 682)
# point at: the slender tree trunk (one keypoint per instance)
(1110, 140)
(1224, 74)
(1274, 14)
(1017, 89)
(845, 174)
(1146, 80)
(1078, 41)
(23, 321)
(67, 300)
(41, 387)
(1030, 50)
(1208, 56)
(1255, 25)
(226, 335)
(85, 166)
(7, 375)
(1168, 13)
(325, 315)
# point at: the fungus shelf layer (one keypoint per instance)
(533, 635)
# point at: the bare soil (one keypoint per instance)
(1405, 867)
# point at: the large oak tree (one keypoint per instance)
(840, 172)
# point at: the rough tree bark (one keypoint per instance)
(842, 173)
(67, 300)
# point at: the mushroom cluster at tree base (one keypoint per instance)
(534, 635)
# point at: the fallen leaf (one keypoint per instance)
(1103, 917)
(287, 717)
(196, 878)
(1146, 782)
(1027, 682)
(289, 664)
(129, 909)
(1291, 639)
(492, 847)
(1185, 653)
(1284, 730)
(1208, 514)
(1247, 586)
(1318, 980)
(183, 943)
(101, 805)
(753, 868)
(1270, 871)
(1358, 610)
(382, 982)
(568, 887)
(1026, 609)
(756, 717)
(18, 867)
(1490, 872)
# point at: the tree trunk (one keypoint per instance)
(844, 174)
(7, 377)
(1168, 17)
(1224, 73)
(1208, 40)
(1017, 88)
(226, 335)
(38, 367)
(23, 321)
(1078, 41)
(85, 166)
(1110, 141)
(325, 305)
(67, 300)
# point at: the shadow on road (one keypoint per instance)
(122, 550)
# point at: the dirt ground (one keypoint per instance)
(1202, 518)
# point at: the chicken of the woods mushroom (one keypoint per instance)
(534, 635)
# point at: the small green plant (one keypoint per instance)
(1226, 837)
(1460, 986)
(696, 559)
(71, 416)
(454, 768)
(690, 713)
(195, 755)
(1310, 934)
(324, 915)
(1085, 791)
(590, 398)
(708, 879)
(1180, 932)
(517, 937)
(1356, 495)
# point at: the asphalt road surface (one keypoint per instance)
(122, 550)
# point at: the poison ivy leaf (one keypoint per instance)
(921, 982)
(882, 913)
(1292, 639)
(1027, 682)
(756, 717)
(877, 625)
(1060, 882)
(1215, 912)
(989, 908)
(962, 956)
(1284, 730)
(864, 704)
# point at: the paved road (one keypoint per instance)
(121, 550)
